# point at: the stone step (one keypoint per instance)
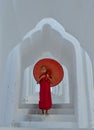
(44, 118)
(54, 106)
(66, 111)
(46, 124)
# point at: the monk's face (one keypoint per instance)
(43, 69)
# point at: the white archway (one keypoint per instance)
(48, 36)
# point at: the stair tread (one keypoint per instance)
(45, 118)
(51, 111)
(47, 124)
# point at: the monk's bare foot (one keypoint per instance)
(43, 112)
(46, 112)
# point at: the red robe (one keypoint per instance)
(45, 100)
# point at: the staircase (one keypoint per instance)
(60, 116)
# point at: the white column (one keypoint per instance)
(26, 84)
(65, 87)
(90, 88)
(81, 108)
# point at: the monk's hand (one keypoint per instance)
(48, 76)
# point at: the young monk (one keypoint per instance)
(45, 100)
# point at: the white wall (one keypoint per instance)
(17, 17)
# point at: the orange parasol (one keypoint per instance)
(55, 69)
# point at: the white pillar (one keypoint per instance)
(82, 109)
(65, 87)
(90, 88)
(25, 86)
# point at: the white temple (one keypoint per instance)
(73, 98)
